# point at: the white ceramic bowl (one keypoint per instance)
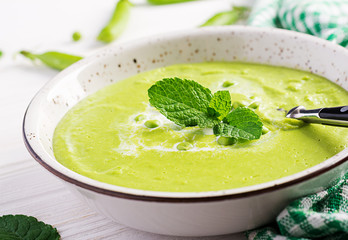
(186, 213)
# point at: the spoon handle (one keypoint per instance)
(336, 116)
(337, 113)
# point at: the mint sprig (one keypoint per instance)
(17, 227)
(188, 104)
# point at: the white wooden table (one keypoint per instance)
(42, 25)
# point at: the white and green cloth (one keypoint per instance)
(327, 19)
(322, 215)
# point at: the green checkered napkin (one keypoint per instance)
(327, 19)
(322, 215)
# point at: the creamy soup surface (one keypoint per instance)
(104, 137)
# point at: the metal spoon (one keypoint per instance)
(335, 116)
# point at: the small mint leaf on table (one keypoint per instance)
(221, 103)
(241, 123)
(185, 102)
(18, 227)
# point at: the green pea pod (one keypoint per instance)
(117, 23)
(54, 60)
(226, 18)
(162, 2)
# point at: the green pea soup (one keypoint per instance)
(116, 137)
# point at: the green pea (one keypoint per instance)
(0, 53)
(76, 36)
(294, 87)
(184, 146)
(152, 123)
(139, 117)
(225, 141)
(264, 130)
(227, 84)
(254, 105)
(118, 22)
(237, 105)
(55, 60)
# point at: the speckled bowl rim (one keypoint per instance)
(158, 196)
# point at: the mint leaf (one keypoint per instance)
(185, 102)
(221, 103)
(20, 227)
(226, 130)
(242, 123)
